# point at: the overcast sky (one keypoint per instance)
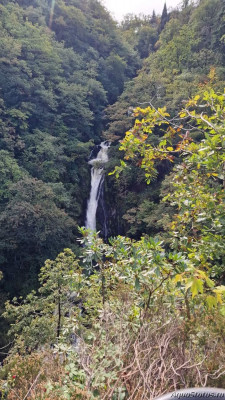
(119, 8)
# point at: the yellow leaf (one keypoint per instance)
(178, 278)
(169, 148)
(220, 289)
(211, 301)
(196, 287)
(219, 298)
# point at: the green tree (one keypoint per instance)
(31, 228)
(40, 318)
(153, 18)
(198, 227)
(10, 174)
(143, 280)
(164, 18)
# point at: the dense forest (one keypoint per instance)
(139, 311)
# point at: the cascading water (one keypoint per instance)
(97, 179)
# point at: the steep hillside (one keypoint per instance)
(141, 311)
(60, 66)
(187, 58)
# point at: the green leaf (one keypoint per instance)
(137, 283)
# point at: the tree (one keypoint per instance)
(177, 69)
(45, 312)
(51, 112)
(164, 18)
(32, 228)
(10, 174)
(113, 76)
(153, 18)
(198, 227)
(185, 3)
(163, 326)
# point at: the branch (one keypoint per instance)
(35, 381)
(203, 119)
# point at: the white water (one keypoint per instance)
(97, 177)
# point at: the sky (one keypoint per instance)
(119, 8)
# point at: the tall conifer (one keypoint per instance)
(164, 18)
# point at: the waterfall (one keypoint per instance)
(97, 179)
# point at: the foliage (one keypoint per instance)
(181, 64)
(164, 18)
(31, 227)
(40, 317)
(165, 338)
(142, 32)
(62, 63)
(60, 66)
(198, 227)
(35, 375)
